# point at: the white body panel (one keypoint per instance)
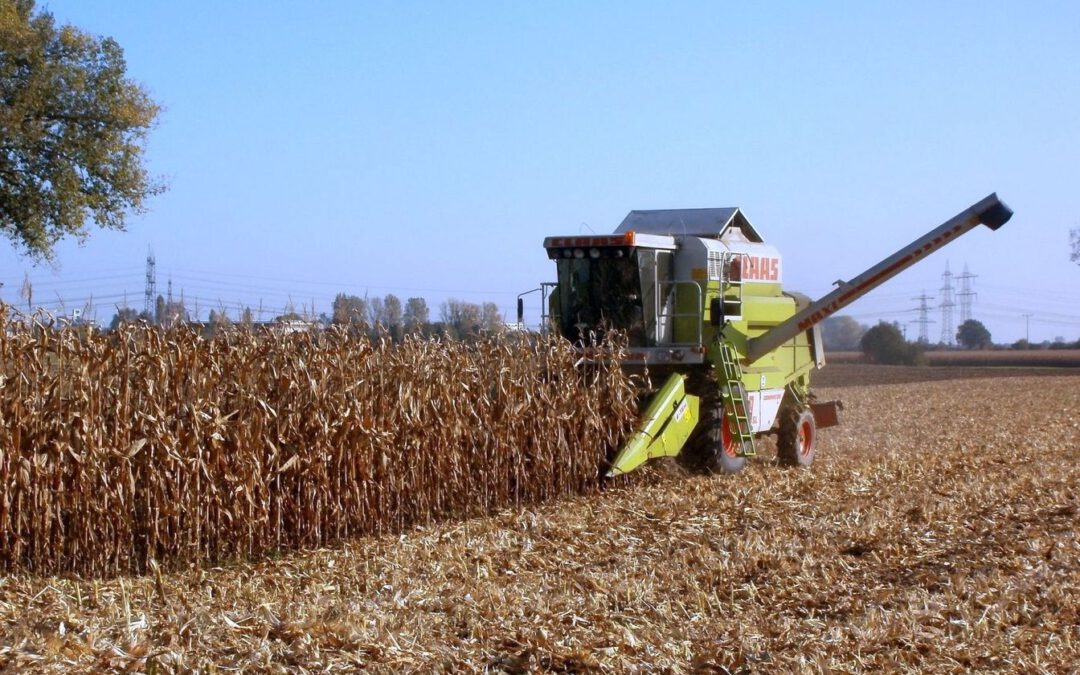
(762, 262)
(764, 406)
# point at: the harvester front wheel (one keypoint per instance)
(715, 450)
(712, 448)
(726, 446)
(797, 440)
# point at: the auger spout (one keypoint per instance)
(990, 211)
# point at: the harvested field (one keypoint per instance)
(936, 533)
(995, 358)
(868, 374)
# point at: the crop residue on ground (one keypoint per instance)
(937, 532)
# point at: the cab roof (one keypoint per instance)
(707, 223)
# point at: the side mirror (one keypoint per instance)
(521, 311)
(716, 311)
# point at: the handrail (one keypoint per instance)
(696, 314)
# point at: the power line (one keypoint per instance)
(341, 285)
(126, 271)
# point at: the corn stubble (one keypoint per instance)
(151, 447)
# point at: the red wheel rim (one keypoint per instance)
(806, 438)
(725, 437)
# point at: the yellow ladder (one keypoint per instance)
(734, 403)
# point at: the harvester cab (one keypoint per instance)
(699, 295)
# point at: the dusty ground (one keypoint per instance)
(936, 533)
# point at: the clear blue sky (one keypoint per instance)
(427, 148)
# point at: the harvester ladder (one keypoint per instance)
(734, 403)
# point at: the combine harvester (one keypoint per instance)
(700, 296)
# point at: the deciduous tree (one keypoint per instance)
(124, 315)
(884, 343)
(464, 319)
(491, 318)
(72, 132)
(842, 333)
(973, 334)
(349, 310)
(416, 315)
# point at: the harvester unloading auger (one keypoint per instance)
(699, 294)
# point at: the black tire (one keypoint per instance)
(705, 451)
(796, 443)
(712, 448)
(725, 447)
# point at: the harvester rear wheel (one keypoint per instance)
(797, 440)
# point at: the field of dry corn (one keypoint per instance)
(937, 532)
(121, 451)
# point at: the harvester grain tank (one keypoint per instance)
(700, 297)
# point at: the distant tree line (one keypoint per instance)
(458, 319)
(461, 320)
(374, 316)
(885, 343)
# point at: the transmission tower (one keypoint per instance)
(924, 319)
(966, 295)
(151, 283)
(947, 304)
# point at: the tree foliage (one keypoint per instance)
(841, 333)
(1074, 241)
(416, 315)
(973, 334)
(392, 310)
(72, 132)
(386, 315)
(127, 315)
(350, 310)
(885, 344)
(466, 320)
(168, 313)
(461, 318)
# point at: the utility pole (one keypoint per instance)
(924, 319)
(948, 335)
(966, 295)
(1027, 327)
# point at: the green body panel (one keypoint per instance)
(763, 307)
(665, 427)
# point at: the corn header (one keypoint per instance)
(700, 296)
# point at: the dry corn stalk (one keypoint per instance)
(118, 449)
